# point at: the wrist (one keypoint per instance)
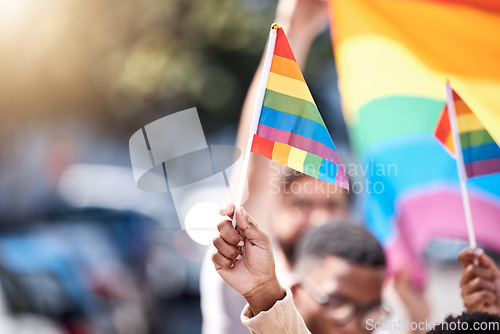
(263, 297)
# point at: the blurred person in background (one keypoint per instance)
(295, 212)
(339, 278)
(287, 203)
(298, 203)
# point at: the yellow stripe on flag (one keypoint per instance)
(288, 86)
(468, 122)
(296, 159)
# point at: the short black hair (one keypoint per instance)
(474, 322)
(343, 239)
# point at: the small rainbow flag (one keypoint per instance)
(480, 152)
(290, 129)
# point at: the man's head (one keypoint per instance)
(477, 322)
(303, 202)
(340, 270)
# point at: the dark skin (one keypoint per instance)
(244, 259)
(337, 277)
(480, 283)
(307, 202)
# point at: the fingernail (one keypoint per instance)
(223, 208)
(239, 257)
(241, 243)
(232, 265)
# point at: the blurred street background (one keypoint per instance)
(82, 250)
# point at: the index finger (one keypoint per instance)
(229, 234)
(471, 272)
(227, 210)
(466, 257)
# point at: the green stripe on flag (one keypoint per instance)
(475, 138)
(312, 163)
(292, 105)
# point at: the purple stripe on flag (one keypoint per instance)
(482, 167)
(300, 142)
(341, 178)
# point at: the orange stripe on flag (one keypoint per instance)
(461, 108)
(286, 67)
(281, 152)
(449, 143)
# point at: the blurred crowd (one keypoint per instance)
(82, 250)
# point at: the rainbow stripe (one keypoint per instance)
(291, 130)
(480, 152)
(393, 57)
(443, 132)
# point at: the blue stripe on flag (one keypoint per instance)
(298, 125)
(328, 171)
(482, 152)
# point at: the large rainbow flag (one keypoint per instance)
(393, 57)
(480, 153)
(290, 129)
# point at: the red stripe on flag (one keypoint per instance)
(443, 128)
(282, 47)
(461, 108)
(262, 146)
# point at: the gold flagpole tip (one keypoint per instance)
(275, 26)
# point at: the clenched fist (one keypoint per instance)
(244, 259)
(480, 282)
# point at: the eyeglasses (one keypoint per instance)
(339, 310)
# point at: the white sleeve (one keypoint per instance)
(221, 305)
(282, 318)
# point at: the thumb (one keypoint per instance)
(249, 229)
